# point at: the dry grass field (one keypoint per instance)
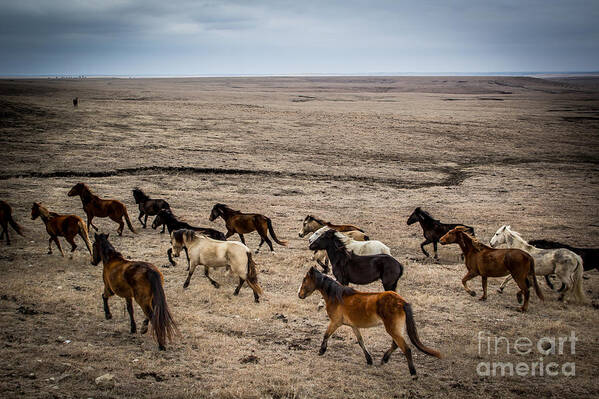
(483, 151)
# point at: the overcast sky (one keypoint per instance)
(185, 37)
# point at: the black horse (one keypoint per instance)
(166, 218)
(590, 256)
(351, 268)
(432, 229)
(148, 206)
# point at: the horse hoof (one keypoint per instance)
(161, 347)
(369, 361)
(415, 377)
(472, 293)
(321, 351)
(483, 298)
(108, 316)
(185, 286)
(500, 290)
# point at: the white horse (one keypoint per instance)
(564, 263)
(207, 252)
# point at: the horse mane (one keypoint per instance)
(479, 246)
(183, 235)
(225, 207)
(330, 287)
(106, 247)
(345, 240)
(425, 214)
(139, 195)
(319, 221)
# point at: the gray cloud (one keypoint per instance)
(136, 37)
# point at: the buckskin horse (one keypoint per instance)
(432, 229)
(95, 206)
(67, 226)
(311, 224)
(6, 219)
(148, 206)
(137, 280)
(243, 223)
(485, 261)
(346, 306)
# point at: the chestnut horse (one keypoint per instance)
(242, 223)
(67, 226)
(485, 261)
(95, 206)
(346, 306)
(141, 281)
(6, 219)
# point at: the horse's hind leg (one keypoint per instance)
(426, 242)
(50, 245)
(71, 241)
(503, 284)
(241, 281)
(550, 284)
(394, 330)
(387, 354)
(5, 231)
(90, 217)
(58, 245)
(361, 343)
(130, 310)
(524, 285)
(214, 283)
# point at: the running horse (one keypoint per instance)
(6, 219)
(95, 206)
(243, 223)
(312, 224)
(137, 280)
(590, 256)
(485, 261)
(148, 206)
(346, 306)
(67, 226)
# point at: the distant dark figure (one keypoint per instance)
(75, 101)
(6, 219)
(148, 206)
(590, 256)
(432, 228)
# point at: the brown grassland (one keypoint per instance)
(361, 150)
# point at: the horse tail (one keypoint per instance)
(163, 325)
(577, 277)
(15, 225)
(252, 275)
(85, 235)
(413, 334)
(533, 276)
(128, 220)
(272, 233)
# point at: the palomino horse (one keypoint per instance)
(488, 262)
(148, 206)
(67, 226)
(432, 229)
(561, 262)
(370, 247)
(207, 252)
(590, 256)
(243, 223)
(137, 280)
(6, 219)
(346, 306)
(95, 206)
(351, 268)
(311, 224)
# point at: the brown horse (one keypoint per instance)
(242, 223)
(95, 206)
(6, 219)
(67, 226)
(346, 306)
(485, 261)
(311, 224)
(137, 280)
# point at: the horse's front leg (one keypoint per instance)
(90, 217)
(130, 310)
(229, 234)
(141, 213)
(469, 276)
(50, 245)
(241, 238)
(163, 227)
(214, 283)
(425, 242)
(187, 255)
(361, 343)
(105, 295)
(169, 253)
(191, 270)
(484, 282)
(55, 238)
(333, 326)
(435, 248)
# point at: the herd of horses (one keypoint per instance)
(351, 254)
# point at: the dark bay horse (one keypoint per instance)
(590, 256)
(243, 223)
(148, 206)
(166, 218)
(432, 229)
(346, 306)
(137, 280)
(485, 261)
(95, 206)
(67, 226)
(351, 268)
(6, 219)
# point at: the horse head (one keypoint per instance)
(308, 284)
(99, 242)
(500, 236)
(414, 217)
(322, 239)
(161, 218)
(217, 210)
(35, 210)
(77, 189)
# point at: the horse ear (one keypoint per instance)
(508, 227)
(107, 235)
(96, 236)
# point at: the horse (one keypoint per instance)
(148, 206)
(95, 206)
(370, 247)
(6, 219)
(243, 223)
(562, 262)
(484, 261)
(137, 280)
(214, 253)
(165, 217)
(67, 226)
(346, 306)
(432, 229)
(590, 256)
(75, 102)
(351, 268)
(311, 224)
